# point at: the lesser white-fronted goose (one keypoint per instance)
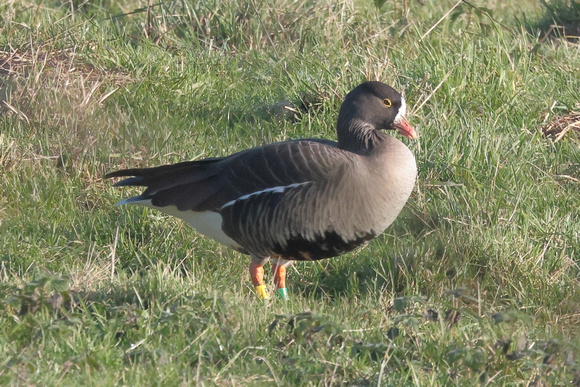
(299, 199)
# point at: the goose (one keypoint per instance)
(296, 200)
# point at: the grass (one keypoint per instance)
(477, 282)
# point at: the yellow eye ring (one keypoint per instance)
(387, 102)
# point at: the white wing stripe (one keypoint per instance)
(278, 189)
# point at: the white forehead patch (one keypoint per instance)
(402, 111)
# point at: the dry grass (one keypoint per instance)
(75, 79)
(561, 126)
(55, 92)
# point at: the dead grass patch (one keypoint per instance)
(53, 94)
(561, 126)
(59, 63)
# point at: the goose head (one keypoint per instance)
(370, 107)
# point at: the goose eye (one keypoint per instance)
(387, 102)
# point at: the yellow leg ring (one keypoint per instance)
(262, 292)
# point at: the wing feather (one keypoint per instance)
(211, 183)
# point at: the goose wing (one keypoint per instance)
(210, 184)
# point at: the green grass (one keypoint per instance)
(477, 282)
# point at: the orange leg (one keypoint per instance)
(257, 274)
(279, 272)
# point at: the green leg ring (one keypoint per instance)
(282, 293)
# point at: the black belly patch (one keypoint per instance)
(327, 246)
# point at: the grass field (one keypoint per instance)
(476, 283)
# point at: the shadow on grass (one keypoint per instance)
(560, 20)
(53, 294)
(378, 267)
